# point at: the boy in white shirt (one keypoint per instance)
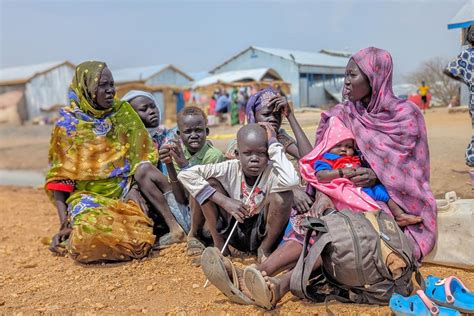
(223, 191)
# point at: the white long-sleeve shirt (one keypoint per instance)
(278, 176)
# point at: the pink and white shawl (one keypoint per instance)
(391, 135)
(343, 192)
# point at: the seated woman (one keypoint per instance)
(96, 147)
(391, 136)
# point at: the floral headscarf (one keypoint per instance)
(91, 144)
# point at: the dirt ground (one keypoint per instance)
(32, 281)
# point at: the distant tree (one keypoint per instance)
(441, 86)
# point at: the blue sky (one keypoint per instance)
(198, 35)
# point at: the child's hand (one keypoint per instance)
(236, 208)
(405, 219)
(165, 154)
(271, 133)
(178, 154)
(302, 202)
(281, 104)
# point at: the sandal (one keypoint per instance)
(214, 266)
(418, 305)
(262, 295)
(450, 292)
(194, 247)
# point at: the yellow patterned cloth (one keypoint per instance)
(100, 150)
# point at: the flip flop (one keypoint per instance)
(450, 292)
(194, 247)
(213, 265)
(257, 286)
(418, 305)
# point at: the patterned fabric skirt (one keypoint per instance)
(105, 229)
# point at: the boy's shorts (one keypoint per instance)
(248, 235)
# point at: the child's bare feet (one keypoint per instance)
(240, 276)
(273, 284)
(405, 219)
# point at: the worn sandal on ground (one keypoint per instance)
(450, 292)
(214, 266)
(418, 305)
(194, 247)
(262, 295)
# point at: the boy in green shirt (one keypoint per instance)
(195, 150)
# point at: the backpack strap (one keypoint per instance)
(308, 257)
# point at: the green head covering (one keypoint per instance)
(85, 84)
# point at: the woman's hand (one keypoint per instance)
(236, 208)
(281, 104)
(362, 177)
(61, 236)
(135, 195)
(321, 203)
(271, 133)
(302, 202)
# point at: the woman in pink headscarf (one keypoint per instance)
(391, 138)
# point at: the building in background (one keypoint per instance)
(242, 76)
(152, 76)
(462, 20)
(316, 78)
(43, 87)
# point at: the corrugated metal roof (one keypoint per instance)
(237, 75)
(25, 73)
(137, 73)
(198, 75)
(464, 17)
(307, 58)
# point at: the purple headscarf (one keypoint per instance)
(258, 101)
(391, 135)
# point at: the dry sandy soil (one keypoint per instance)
(32, 281)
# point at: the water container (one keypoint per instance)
(455, 243)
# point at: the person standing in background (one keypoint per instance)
(423, 90)
(461, 69)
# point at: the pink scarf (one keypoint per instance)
(391, 135)
(343, 193)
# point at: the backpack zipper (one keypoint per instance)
(356, 249)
